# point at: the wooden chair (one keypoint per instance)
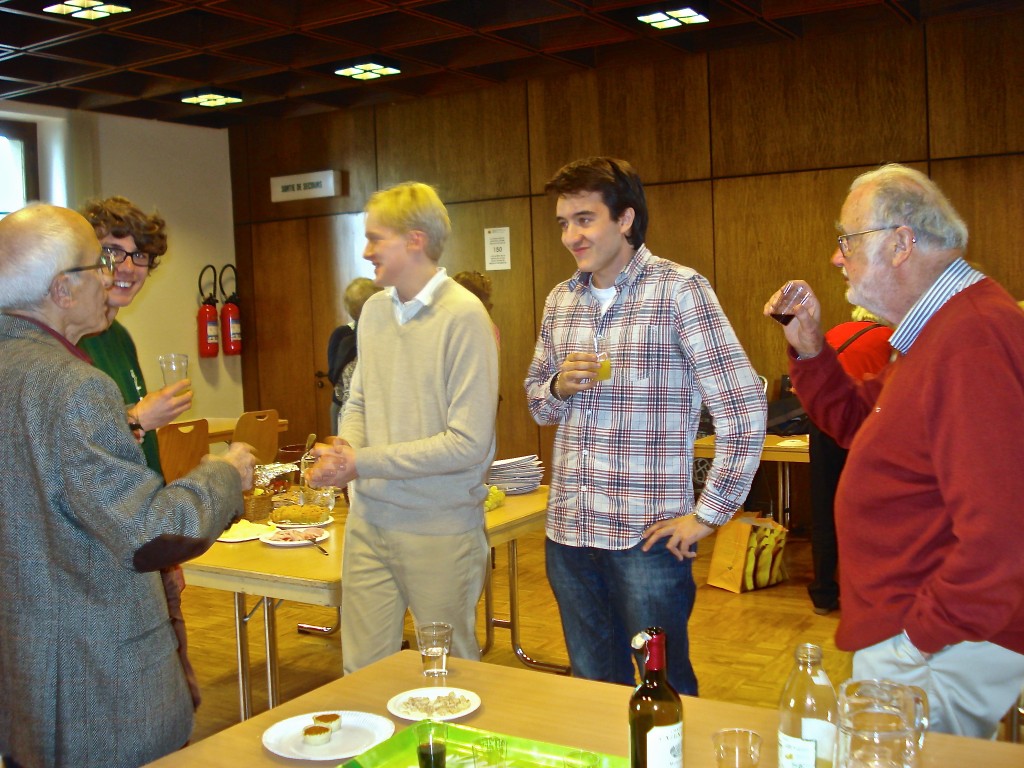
(182, 447)
(258, 429)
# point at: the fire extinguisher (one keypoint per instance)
(230, 318)
(206, 319)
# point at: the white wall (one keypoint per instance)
(184, 173)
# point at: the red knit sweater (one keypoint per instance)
(930, 507)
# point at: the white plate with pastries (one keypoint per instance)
(279, 538)
(358, 732)
(438, 703)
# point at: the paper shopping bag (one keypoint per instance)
(748, 554)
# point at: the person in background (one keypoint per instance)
(136, 241)
(622, 521)
(415, 534)
(862, 346)
(928, 505)
(480, 286)
(88, 664)
(341, 348)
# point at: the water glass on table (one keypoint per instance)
(489, 752)
(435, 641)
(431, 743)
(737, 748)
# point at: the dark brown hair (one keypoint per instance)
(618, 183)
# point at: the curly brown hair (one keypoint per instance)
(477, 284)
(120, 217)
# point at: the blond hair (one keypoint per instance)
(356, 294)
(413, 206)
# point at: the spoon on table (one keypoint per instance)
(319, 547)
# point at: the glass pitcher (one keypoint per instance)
(881, 724)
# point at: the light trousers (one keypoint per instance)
(385, 572)
(970, 686)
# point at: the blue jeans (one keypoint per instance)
(607, 596)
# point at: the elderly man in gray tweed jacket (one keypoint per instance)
(88, 664)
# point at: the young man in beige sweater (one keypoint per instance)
(416, 438)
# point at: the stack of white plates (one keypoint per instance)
(520, 475)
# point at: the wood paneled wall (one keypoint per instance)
(825, 102)
(746, 153)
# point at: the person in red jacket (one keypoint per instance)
(928, 507)
(862, 346)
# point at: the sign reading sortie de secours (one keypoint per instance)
(303, 186)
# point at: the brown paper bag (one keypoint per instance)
(748, 554)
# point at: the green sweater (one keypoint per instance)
(113, 352)
(420, 413)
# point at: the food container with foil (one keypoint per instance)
(267, 478)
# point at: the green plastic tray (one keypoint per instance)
(400, 751)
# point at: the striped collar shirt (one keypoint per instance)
(407, 310)
(954, 278)
(623, 451)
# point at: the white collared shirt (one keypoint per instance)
(407, 310)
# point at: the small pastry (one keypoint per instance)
(330, 719)
(316, 735)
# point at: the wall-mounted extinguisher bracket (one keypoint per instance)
(230, 316)
(206, 319)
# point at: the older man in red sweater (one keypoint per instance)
(928, 510)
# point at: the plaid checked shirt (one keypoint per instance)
(623, 452)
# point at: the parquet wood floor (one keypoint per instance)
(741, 645)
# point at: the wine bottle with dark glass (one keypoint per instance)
(655, 711)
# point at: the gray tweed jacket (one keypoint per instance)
(89, 674)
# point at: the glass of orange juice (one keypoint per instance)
(604, 359)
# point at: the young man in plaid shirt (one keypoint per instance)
(622, 521)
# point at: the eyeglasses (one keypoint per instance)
(119, 254)
(106, 263)
(844, 246)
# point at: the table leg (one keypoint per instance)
(489, 621)
(513, 616)
(270, 637)
(780, 515)
(242, 646)
(784, 466)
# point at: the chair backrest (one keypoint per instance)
(258, 429)
(182, 446)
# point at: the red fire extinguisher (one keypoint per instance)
(230, 318)
(206, 319)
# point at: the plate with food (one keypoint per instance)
(295, 537)
(321, 524)
(299, 515)
(245, 530)
(327, 735)
(439, 703)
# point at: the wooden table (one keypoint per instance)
(304, 575)
(782, 450)
(221, 429)
(551, 708)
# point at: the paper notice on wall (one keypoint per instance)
(497, 253)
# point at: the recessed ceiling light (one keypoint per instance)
(368, 70)
(211, 97)
(670, 19)
(86, 9)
